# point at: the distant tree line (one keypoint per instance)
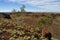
(22, 9)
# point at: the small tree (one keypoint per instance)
(23, 8)
(13, 10)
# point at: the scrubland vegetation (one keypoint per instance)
(28, 25)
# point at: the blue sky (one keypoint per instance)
(30, 5)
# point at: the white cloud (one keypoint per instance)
(30, 1)
(15, 0)
(34, 2)
(45, 5)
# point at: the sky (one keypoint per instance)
(30, 5)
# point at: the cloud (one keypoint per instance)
(35, 2)
(31, 1)
(37, 5)
(15, 0)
